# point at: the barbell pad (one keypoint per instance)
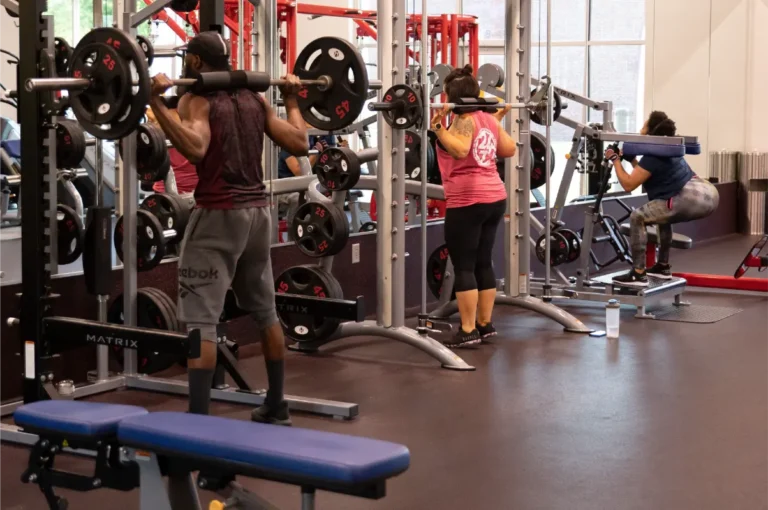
(97, 251)
(653, 149)
(230, 80)
(693, 148)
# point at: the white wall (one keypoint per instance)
(9, 41)
(707, 68)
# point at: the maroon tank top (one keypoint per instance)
(231, 175)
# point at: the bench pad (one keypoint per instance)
(325, 456)
(85, 419)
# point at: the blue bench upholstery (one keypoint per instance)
(220, 448)
(653, 149)
(12, 147)
(321, 456)
(69, 417)
(693, 148)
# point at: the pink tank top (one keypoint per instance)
(474, 179)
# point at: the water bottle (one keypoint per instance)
(612, 310)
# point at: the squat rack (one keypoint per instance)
(38, 328)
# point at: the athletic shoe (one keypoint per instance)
(464, 339)
(274, 415)
(631, 279)
(485, 331)
(660, 270)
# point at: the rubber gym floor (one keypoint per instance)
(671, 416)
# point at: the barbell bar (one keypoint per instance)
(55, 84)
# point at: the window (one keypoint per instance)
(617, 20)
(569, 19)
(598, 50)
(617, 73)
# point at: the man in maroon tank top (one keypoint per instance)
(227, 241)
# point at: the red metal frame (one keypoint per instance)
(725, 282)
(444, 32)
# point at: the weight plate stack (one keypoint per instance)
(413, 155)
(171, 214)
(313, 281)
(337, 168)
(150, 240)
(151, 312)
(436, 265)
(147, 48)
(320, 230)
(409, 111)
(574, 244)
(62, 53)
(69, 230)
(538, 162)
(70, 144)
(558, 249)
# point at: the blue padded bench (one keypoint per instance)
(12, 147)
(220, 448)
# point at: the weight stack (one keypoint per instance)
(753, 186)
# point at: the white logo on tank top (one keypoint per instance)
(484, 148)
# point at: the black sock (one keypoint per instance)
(275, 377)
(200, 380)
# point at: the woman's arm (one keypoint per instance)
(629, 182)
(458, 139)
(506, 146)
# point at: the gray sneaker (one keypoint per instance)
(277, 415)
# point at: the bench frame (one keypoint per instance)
(126, 468)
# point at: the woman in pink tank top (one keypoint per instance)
(476, 200)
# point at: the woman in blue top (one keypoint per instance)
(675, 195)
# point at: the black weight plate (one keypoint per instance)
(574, 243)
(339, 105)
(558, 249)
(147, 48)
(409, 111)
(70, 144)
(62, 54)
(337, 168)
(151, 152)
(557, 109)
(184, 5)
(149, 314)
(185, 208)
(150, 245)
(69, 231)
(170, 305)
(307, 281)
(433, 169)
(436, 264)
(413, 155)
(165, 167)
(132, 101)
(320, 230)
(368, 227)
(538, 163)
(168, 212)
(104, 101)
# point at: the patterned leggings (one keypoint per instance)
(698, 199)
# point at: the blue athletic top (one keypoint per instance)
(282, 167)
(668, 176)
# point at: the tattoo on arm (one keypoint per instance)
(463, 126)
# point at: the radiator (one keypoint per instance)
(753, 185)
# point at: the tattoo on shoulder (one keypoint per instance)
(463, 126)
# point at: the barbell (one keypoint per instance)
(402, 106)
(109, 84)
